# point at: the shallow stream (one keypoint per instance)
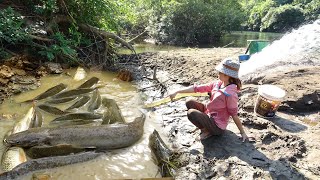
(132, 162)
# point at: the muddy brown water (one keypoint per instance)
(131, 162)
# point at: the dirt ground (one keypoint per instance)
(285, 147)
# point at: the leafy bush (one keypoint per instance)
(256, 11)
(63, 46)
(11, 27)
(312, 10)
(282, 18)
(197, 22)
(11, 30)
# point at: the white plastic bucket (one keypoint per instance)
(268, 101)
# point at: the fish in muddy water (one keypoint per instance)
(50, 92)
(59, 150)
(51, 109)
(47, 163)
(78, 116)
(74, 92)
(113, 113)
(89, 83)
(25, 123)
(89, 122)
(84, 100)
(12, 157)
(95, 102)
(111, 136)
(37, 119)
(162, 154)
(80, 74)
(61, 100)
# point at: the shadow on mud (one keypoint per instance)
(229, 145)
(288, 125)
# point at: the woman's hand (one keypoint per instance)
(173, 95)
(244, 137)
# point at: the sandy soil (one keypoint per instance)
(285, 147)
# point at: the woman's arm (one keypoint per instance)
(189, 89)
(240, 127)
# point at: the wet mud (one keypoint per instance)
(283, 146)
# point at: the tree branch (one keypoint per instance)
(106, 34)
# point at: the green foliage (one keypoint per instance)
(266, 11)
(312, 10)
(11, 30)
(283, 2)
(282, 18)
(63, 46)
(11, 27)
(101, 13)
(198, 21)
(44, 7)
(4, 54)
(256, 11)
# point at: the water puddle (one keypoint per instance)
(132, 162)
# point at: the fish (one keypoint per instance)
(51, 109)
(46, 163)
(79, 116)
(50, 92)
(89, 83)
(12, 157)
(74, 92)
(111, 136)
(84, 100)
(113, 113)
(25, 123)
(80, 74)
(96, 101)
(162, 154)
(61, 100)
(37, 119)
(58, 150)
(90, 122)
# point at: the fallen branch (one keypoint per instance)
(228, 44)
(88, 28)
(106, 35)
(138, 36)
(40, 38)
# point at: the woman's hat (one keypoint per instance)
(229, 67)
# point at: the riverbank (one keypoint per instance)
(285, 147)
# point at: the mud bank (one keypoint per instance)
(285, 147)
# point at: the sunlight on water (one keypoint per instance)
(131, 162)
(299, 47)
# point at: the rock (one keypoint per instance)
(6, 72)
(53, 68)
(19, 72)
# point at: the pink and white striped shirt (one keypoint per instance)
(223, 102)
